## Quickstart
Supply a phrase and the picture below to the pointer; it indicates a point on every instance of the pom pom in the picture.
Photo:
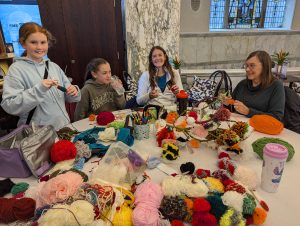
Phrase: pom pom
(259, 216)
(223, 155)
(173, 208)
(19, 187)
(170, 151)
(123, 216)
(217, 206)
(221, 174)
(202, 173)
(187, 168)
(63, 150)
(164, 133)
(232, 217)
(249, 205)
(193, 114)
(190, 120)
(246, 176)
(182, 94)
(227, 164)
(266, 124)
(241, 128)
(201, 205)
(214, 185)
(171, 117)
(92, 117)
(5, 186)
(204, 219)
(222, 114)
(193, 143)
(105, 117)
(199, 131)
(177, 223)
(233, 199)
(235, 187)
(227, 182)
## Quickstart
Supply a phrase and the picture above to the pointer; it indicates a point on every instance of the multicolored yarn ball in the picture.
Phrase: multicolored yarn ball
(214, 185)
(203, 219)
(187, 168)
(16, 209)
(235, 187)
(177, 223)
(233, 199)
(259, 216)
(201, 205)
(232, 217)
(202, 173)
(221, 174)
(105, 117)
(19, 187)
(62, 150)
(258, 146)
(249, 205)
(227, 164)
(123, 216)
(173, 208)
(170, 151)
(217, 206)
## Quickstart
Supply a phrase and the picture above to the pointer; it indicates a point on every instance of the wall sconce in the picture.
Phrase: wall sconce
(195, 4)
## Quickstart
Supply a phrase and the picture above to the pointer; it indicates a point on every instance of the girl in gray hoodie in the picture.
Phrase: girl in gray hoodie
(25, 87)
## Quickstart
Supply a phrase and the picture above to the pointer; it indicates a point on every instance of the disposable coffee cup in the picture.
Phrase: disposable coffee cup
(274, 158)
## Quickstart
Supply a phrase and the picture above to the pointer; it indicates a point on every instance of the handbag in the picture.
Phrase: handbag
(208, 89)
(26, 151)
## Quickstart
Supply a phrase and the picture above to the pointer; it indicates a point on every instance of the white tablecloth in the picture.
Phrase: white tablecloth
(284, 209)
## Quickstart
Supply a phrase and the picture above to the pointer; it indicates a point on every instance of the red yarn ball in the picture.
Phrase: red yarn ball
(201, 205)
(193, 114)
(204, 219)
(63, 150)
(177, 223)
(105, 117)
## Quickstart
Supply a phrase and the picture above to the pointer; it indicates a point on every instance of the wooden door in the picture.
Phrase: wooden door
(84, 29)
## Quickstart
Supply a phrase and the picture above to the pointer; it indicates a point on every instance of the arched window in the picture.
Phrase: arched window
(247, 14)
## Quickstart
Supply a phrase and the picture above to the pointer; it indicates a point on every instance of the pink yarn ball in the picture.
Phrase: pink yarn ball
(105, 117)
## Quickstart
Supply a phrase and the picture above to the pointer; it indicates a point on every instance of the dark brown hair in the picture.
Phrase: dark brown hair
(93, 66)
(152, 68)
(29, 28)
(266, 75)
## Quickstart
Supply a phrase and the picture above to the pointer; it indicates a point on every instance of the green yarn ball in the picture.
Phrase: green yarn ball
(258, 146)
(19, 187)
(217, 206)
(117, 124)
(249, 205)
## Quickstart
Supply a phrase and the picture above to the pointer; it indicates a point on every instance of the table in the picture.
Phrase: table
(283, 205)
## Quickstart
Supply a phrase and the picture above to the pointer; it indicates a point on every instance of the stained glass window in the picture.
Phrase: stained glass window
(246, 14)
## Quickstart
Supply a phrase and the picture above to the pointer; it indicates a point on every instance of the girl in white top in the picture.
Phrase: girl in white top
(160, 84)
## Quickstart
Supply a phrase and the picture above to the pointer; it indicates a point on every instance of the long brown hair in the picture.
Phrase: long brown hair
(152, 68)
(93, 66)
(266, 75)
(29, 28)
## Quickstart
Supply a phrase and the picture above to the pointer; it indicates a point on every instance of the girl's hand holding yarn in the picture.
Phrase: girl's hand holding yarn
(72, 90)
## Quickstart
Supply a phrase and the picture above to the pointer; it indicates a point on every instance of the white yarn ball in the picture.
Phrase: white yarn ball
(246, 176)
(233, 199)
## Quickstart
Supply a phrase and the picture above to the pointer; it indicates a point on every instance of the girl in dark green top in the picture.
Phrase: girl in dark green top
(260, 92)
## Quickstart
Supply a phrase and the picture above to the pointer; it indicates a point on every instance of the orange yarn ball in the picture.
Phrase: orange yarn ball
(259, 216)
(266, 124)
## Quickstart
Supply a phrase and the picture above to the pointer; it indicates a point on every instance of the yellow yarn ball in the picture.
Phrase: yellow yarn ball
(226, 219)
(123, 216)
(214, 184)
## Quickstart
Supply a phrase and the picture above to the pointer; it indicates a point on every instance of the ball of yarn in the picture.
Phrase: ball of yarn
(232, 217)
(258, 146)
(201, 205)
(105, 117)
(266, 124)
(63, 150)
(123, 216)
(16, 209)
(19, 187)
(203, 219)
(187, 168)
(217, 206)
(259, 216)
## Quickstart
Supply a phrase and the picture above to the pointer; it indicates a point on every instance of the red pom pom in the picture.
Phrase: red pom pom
(249, 220)
(105, 117)
(235, 187)
(164, 133)
(63, 150)
(204, 219)
(223, 155)
(177, 223)
(227, 182)
(202, 173)
(193, 114)
(201, 205)
(227, 164)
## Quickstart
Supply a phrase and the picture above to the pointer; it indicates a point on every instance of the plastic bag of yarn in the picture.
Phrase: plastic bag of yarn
(141, 131)
(120, 166)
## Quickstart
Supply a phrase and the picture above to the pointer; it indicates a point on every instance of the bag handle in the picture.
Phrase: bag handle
(29, 117)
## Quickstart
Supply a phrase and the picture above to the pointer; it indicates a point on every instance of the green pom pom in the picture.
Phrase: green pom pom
(217, 206)
(258, 146)
(249, 205)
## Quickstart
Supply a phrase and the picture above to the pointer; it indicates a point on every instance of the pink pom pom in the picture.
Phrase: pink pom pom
(105, 117)
(63, 150)
(222, 114)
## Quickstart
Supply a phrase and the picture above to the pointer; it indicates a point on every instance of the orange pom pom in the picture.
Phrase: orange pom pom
(182, 94)
(92, 117)
(194, 143)
(259, 216)
(230, 101)
(266, 124)
(171, 117)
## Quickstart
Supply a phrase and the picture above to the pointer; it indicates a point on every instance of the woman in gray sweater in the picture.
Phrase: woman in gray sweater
(260, 92)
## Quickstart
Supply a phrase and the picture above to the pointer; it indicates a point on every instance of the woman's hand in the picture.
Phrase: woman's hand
(48, 83)
(116, 84)
(241, 107)
(174, 89)
(153, 94)
(72, 91)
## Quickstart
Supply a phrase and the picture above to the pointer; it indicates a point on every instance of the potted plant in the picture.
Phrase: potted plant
(176, 63)
(281, 61)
